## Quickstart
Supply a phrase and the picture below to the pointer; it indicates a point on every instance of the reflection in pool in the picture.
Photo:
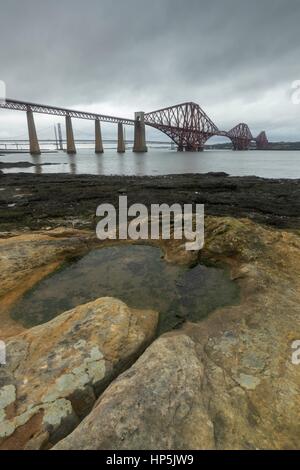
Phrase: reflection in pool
(136, 274)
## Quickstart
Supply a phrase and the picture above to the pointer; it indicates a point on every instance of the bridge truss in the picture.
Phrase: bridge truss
(53, 110)
(190, 127)
(186, 124)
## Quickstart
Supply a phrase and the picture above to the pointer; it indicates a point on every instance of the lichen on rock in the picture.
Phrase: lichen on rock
(63, 367)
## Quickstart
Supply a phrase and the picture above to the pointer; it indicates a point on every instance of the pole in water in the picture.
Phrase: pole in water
(60, 140)
(55, 133)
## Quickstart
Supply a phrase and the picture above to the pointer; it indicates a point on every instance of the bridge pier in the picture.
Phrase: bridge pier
(98, 137)
(33, 140)
(60, 139)
(239, 144)
(139, 133)
(189, 148)
(71, 149)
(121, 143)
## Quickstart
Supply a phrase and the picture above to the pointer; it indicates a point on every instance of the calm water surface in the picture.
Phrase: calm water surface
(268, 164)
(135, 274)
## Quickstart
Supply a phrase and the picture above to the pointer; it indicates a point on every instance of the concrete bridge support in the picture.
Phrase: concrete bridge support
(98, 137)
(71, 149)
(33, 140)
(139, 133)
(121, 143)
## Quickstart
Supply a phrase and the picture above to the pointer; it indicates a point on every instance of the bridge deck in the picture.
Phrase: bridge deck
(54, 110)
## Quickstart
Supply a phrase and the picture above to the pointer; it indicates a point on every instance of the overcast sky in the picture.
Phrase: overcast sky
(236, 58)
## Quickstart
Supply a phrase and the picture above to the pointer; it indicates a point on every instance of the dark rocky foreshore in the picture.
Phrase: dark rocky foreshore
(30, 201)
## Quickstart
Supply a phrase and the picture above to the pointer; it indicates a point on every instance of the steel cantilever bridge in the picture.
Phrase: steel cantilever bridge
(189, 127)
(185, 124)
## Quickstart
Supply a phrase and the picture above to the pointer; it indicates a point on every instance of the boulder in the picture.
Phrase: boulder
(55, 371)
(156, 404)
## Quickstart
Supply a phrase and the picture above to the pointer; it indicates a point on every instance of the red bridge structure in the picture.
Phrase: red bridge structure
(189, 127)
(185, 124)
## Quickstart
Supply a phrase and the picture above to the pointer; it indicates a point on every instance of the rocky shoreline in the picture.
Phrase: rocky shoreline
(227, 382)
(99, 377)
(31, 202)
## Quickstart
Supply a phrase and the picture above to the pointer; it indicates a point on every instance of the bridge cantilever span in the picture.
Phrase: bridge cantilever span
(190, 127)
(186, 124)
(240, 136)
(262, 141)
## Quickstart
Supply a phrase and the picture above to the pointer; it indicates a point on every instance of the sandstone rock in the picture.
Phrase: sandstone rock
(27, 258)
(21, 255)
(157, 404)
(227, 382)
(55, 371)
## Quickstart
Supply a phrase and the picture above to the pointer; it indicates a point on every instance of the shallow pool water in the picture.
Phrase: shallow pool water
(136, 274)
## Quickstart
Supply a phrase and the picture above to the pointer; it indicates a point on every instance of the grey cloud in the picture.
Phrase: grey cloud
(149, 54)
